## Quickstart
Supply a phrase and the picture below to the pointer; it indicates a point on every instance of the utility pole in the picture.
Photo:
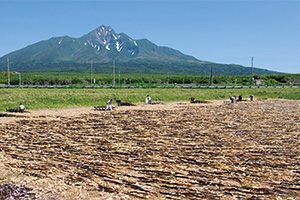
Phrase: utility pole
(119, 79)
(211, 75)
(18, 73)
(114, 72)
(252, 79)
(20, 83)
(91, 72)
(8, 81)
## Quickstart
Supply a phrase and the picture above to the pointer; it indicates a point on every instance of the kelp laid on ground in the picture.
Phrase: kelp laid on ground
(172, 151)
(8, 191)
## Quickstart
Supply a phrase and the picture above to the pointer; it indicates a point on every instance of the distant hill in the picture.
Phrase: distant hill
(102, 46)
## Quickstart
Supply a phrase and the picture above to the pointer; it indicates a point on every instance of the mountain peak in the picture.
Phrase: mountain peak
(108, 28)
(104, 39)
(101, 35)
(103, 30)
(101, 45)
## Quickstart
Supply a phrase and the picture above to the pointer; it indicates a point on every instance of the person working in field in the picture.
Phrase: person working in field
(233, 99)
(109, 105)
(22, 108)
(148, 99)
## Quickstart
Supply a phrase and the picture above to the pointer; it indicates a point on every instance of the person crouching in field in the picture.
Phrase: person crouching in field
(109, 105)
(22, 108)
(148, 99)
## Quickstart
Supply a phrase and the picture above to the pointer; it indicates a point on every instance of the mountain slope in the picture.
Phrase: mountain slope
(102, 45)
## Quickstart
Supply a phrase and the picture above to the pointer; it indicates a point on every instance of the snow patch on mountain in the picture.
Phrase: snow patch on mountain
(119, 46)
(133, 41)
(116, 36)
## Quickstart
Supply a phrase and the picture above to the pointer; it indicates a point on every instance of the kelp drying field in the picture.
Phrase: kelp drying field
(171, 151)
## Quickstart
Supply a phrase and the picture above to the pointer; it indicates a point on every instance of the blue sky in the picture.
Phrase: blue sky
(219, 31)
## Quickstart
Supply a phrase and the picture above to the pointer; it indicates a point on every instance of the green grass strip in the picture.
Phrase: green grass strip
(35, 99)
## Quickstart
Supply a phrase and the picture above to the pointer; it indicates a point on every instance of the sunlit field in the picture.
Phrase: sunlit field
(166, 151)
(35, 99)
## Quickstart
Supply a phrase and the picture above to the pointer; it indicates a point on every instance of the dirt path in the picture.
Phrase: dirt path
(73, 112)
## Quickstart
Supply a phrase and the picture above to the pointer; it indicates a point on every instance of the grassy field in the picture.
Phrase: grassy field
(35, 99)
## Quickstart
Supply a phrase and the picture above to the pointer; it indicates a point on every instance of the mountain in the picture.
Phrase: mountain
(101, 46)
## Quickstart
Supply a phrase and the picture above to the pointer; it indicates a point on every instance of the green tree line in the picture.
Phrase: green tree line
(32, 79)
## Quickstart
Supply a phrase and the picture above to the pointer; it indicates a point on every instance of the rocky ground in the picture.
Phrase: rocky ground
(248, 150)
